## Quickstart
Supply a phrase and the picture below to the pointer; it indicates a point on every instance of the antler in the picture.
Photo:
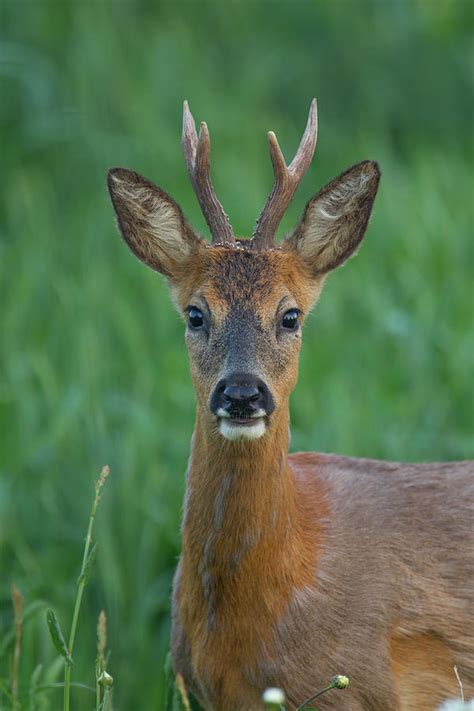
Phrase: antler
(197, 155)
(287, 179)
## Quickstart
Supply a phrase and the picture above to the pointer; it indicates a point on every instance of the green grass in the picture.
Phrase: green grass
(93, 366)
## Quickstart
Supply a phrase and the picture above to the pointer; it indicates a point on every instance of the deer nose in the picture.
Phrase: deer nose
(242, 395)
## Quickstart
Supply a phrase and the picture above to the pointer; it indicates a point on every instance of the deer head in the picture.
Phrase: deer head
(244, 300)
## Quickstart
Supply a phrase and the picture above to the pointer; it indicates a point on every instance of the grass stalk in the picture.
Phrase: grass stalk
(82, 582)
(101, 661)
(17, 599)
(107, 704)
(97, 694)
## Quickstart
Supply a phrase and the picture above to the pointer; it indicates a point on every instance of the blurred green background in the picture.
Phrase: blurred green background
(93, 367)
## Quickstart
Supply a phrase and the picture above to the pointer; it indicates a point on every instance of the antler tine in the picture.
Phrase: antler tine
(197, 151)
(304, 154)
(287, 179)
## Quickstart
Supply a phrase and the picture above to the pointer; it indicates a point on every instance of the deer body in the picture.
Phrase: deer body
(368, 600)
(295, 567)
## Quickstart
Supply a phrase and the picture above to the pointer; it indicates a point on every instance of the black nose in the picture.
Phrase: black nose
(241, 395)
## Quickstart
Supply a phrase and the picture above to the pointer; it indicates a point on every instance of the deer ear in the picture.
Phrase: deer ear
(335, 219)
(150, 222)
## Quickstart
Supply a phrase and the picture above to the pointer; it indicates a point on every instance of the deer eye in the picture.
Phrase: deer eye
(195, 317)
(290, 319)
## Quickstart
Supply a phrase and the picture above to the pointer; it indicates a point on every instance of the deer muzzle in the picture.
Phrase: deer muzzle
(242, 403)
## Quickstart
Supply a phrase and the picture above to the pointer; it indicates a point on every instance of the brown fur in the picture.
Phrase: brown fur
(298, 567)
(423, 669)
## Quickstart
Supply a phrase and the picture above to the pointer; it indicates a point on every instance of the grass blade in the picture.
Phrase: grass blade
(57, 636)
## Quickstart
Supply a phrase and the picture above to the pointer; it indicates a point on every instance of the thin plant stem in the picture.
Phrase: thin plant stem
(100, 663)
(339, 681)
(312, 698)
(182, 692)
(17, 599)
(459, 682)
(33, 687)
(60, 684)
(81, 585)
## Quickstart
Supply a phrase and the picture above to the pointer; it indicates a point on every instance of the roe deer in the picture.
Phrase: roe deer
(295, 567)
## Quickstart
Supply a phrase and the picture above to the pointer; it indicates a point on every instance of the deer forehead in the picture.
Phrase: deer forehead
(233, 279)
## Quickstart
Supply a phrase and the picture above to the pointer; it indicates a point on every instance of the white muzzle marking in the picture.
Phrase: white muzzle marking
(234, 431)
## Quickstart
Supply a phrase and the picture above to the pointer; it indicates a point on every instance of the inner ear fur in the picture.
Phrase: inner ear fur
(151, 222)
(335, 220)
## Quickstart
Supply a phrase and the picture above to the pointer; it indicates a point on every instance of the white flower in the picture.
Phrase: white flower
(455, 705)
(273, 696)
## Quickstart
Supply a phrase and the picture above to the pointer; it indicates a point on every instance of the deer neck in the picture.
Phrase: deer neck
(240, 502)
(246, 547)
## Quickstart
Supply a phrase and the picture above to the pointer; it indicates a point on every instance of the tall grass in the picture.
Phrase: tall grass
(18, 699)
(93, 366)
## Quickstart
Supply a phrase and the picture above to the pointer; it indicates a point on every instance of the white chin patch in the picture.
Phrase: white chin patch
(235, 432)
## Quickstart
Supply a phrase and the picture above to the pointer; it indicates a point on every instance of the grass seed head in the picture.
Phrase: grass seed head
(102, 635)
